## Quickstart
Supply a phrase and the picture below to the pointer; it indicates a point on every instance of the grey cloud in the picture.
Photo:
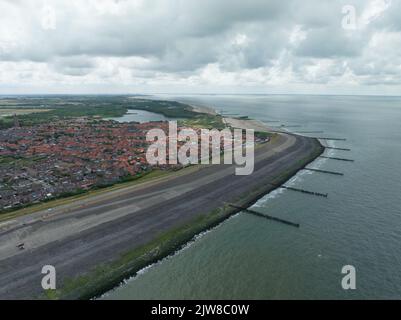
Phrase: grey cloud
(181, 37)
(73, 66)
(152, 32)
(329, 43)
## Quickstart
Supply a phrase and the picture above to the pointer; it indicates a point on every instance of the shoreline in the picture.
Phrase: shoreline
(213, 220)
(207, 228)
(256, 125)
(203, 110)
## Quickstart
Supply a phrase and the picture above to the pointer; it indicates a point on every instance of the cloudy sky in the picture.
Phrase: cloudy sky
(200, 46)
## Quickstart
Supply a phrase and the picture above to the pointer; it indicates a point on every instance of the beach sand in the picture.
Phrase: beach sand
(247, 124)
(203, 109)
(233, 122)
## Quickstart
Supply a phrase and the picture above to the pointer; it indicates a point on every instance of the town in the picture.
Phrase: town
(67, 157)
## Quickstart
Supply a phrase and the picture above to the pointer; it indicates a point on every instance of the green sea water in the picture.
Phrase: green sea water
(359, 223)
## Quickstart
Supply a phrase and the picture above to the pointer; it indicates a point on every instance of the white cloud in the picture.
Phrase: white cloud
(374, 10)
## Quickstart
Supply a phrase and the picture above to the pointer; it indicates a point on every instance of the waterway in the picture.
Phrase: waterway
(140, 116)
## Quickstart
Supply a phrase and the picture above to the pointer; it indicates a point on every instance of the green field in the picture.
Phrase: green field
(18, 111)
(36, 110)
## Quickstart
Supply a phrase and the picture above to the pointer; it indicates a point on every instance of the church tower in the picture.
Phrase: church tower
(16, 122)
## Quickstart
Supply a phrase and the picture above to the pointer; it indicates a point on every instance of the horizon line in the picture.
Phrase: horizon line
(197, 94)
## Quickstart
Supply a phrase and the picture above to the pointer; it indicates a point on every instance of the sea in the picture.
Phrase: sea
(357, 225)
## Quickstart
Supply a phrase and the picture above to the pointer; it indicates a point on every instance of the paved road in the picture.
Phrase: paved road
(77, 237)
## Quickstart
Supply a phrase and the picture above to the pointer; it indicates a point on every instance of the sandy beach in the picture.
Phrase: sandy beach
(235, 122)
(203, 109)
(247, 124)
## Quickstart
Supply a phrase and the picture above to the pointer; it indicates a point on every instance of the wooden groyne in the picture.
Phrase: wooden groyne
(310, 132)
(327, 138)
(342, 149)
(324, 171)
(266, 216)
(339, 159)
(313, 193)
(229, 114)
(325, 195)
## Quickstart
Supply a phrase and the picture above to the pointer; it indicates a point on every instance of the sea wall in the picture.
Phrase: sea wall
(109, 275)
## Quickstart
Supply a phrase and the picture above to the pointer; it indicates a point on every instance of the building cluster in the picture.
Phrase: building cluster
(49, 160)
(69, 156)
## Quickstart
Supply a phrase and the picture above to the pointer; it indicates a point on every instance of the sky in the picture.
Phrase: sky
(200, 46)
